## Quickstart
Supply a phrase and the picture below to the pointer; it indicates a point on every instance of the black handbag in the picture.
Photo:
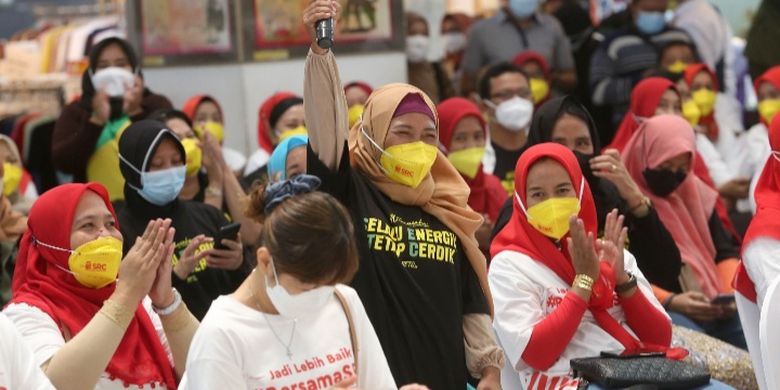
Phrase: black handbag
(656, 371)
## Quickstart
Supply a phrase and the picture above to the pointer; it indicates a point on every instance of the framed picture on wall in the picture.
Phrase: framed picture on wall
(184, 32)
(274, 28)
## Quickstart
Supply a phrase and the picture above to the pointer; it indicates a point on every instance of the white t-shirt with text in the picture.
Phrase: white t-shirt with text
(238, 347)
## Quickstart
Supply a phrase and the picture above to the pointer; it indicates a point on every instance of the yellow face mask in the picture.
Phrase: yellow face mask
(215, 128)
(677, 67)
(354, 114)
(11, 178)
(551, 217)
(467, 161)
(539, 89)
(408, 163)
(691, 112)
(705, 99)
(300, 130)
(194, 155)
(94, 264)
(767, 108)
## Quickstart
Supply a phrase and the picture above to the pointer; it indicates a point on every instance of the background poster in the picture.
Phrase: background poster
(184, 32)
(186, 26)
(364, 25)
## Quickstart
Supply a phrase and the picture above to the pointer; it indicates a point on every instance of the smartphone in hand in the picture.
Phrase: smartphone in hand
(229, 231)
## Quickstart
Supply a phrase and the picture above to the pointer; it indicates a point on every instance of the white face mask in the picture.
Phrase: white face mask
(113, 80)
(298, 305)
(514, 114)
(416, 48)
(454, 42)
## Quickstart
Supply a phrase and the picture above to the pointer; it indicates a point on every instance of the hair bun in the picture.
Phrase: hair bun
(276, 193)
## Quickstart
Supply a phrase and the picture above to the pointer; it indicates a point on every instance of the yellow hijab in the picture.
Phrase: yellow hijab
(443, 193)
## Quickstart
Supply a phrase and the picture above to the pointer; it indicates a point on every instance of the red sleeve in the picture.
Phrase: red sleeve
(649, 323)
(551, 335)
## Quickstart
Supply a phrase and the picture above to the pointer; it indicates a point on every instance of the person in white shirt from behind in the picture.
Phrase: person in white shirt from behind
(17, 365)
(291, 323)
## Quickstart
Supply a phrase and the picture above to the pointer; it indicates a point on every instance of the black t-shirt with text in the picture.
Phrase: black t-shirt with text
(204, 284)
(414, 280)
(506, 160)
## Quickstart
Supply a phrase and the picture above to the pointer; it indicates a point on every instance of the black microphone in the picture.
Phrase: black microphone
(324, 32)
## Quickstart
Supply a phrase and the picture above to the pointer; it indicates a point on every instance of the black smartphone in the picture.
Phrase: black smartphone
(229, 231)
(723, 299)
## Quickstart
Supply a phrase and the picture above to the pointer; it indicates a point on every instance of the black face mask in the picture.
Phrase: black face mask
(116, 104)
(584, 161)
(663, 181)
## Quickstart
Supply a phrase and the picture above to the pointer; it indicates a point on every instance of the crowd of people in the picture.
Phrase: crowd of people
(551, 189)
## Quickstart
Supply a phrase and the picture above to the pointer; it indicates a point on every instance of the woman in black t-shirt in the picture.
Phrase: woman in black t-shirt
(422, 275)
(152, 163)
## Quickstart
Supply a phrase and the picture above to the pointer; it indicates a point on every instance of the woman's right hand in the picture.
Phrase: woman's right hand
(190, 258)
(101, 109)
(318, 10)
(139, 268)
(696, 306)
(582, 249)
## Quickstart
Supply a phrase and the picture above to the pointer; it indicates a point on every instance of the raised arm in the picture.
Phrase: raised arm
(323, 95)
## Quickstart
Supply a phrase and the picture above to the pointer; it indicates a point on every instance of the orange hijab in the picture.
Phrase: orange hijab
(443, 193)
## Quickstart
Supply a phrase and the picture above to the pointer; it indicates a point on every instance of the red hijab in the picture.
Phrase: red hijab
(687, 210)
(264, 133)
(532, 56)
(140, 358)
(766, 222)
(487, 194)
(771, 76)
(360, 84)
(645, 98)
(519, 236)
(692, 71)
(192, 104)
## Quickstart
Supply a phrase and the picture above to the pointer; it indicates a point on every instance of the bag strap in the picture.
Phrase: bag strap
(352, 335)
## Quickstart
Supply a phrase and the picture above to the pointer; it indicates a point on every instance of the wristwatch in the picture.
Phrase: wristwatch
(172, 307)
(627, 286)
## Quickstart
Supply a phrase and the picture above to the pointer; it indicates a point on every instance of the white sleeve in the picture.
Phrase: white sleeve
(17, 366)
(373, 370)
(211, 362)
(719, 171)
(760, 259)
(517, 304)
(39, 331)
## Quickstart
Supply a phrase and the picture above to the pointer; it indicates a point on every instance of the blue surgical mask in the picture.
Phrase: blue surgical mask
(159, 187)
(523, 8)
(650, 22)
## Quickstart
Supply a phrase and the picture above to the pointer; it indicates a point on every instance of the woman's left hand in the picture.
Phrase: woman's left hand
(229, 259)
(611, 246)
(610, 166)
(161, 292)
(131, 103)
(491, 379)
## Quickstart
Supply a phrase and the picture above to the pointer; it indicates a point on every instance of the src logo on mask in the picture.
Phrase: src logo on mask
(90, 266)
(404, 171)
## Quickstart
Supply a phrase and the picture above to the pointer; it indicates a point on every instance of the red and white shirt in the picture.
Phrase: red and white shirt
(524, 292)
